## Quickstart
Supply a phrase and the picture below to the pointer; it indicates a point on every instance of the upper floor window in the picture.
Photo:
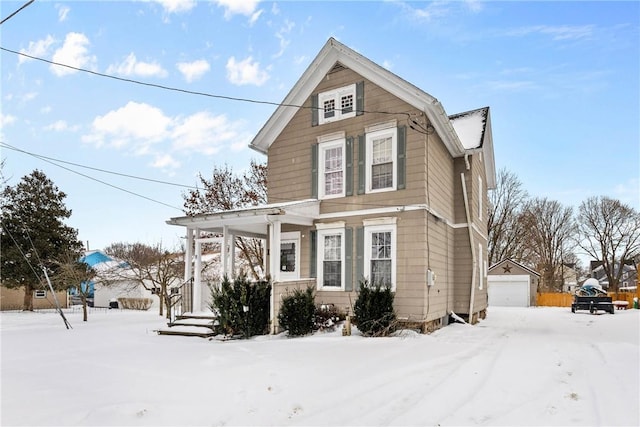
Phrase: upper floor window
(337, 104)
(381, 160)
(332, 168)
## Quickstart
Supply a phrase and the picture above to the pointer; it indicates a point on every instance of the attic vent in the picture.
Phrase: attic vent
(336, 68)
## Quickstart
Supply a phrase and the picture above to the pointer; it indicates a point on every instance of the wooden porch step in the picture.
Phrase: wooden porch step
(201, 334)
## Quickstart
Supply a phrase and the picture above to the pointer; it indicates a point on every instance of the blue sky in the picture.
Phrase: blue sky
(561, 78)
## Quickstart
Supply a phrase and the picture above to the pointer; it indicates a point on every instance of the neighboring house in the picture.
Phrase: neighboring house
(628, 279)
(569, 275)
(13, 299)
(512, 284)
(114, 281)
(369, 178)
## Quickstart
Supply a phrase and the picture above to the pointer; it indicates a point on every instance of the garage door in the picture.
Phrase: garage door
(508, 291)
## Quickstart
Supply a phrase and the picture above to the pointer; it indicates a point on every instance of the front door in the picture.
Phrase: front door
(290, 256)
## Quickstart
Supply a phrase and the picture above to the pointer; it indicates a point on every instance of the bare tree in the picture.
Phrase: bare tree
(505, 225)
(550, 235)
(75, 274)
(153, 267)
(226, 191)
(609, 231)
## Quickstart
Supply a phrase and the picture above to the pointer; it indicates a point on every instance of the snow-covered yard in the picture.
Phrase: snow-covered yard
(536, 366)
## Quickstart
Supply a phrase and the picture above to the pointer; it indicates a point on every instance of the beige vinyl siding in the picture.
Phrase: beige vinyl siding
(432, 178)
(13, 299)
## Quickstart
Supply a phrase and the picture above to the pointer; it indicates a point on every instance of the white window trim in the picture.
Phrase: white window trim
(40, 293)
(370, 136)
(322, 232)
(481, 266)
(480, 197)
(322, 147)
(368, 230)
(336, 94)
(291, 237)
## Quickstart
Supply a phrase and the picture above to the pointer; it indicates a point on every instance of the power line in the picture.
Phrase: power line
(110, 185)
(41, 157)
(14, 13)
(190, 92)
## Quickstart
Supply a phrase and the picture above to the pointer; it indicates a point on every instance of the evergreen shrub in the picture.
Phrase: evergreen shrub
(297, 312)
(229, 299)
(374, 310)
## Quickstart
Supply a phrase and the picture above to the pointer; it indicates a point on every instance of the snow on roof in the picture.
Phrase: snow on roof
(470, 127)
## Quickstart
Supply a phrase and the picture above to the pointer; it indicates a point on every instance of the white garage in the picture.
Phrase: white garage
(511, 284)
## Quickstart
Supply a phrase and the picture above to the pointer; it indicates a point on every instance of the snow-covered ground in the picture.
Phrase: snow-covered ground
(536, 366)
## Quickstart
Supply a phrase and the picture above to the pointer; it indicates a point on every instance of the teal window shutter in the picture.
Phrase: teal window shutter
(314, 171)
(314, 110)
(362, 163)
(359, 98)
(313, 238)
(359, 256)
(402, 157)
(349, 167)
(348, 259)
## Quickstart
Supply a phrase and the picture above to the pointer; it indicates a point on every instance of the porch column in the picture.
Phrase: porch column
(232, 255)
(274, 267)
(188, 256)
(224, 252)
(197, 282)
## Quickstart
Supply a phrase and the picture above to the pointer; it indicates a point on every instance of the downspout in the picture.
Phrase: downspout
(473, 252)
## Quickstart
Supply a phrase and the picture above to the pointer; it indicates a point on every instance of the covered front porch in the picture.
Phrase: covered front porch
(282, 258)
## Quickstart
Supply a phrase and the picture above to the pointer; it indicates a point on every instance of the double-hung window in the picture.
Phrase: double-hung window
(331, 258)
(337, 104)
(380, 253)
(381, 157)
(332, 166)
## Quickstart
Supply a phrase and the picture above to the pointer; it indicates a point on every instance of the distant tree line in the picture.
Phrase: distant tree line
(546, 235)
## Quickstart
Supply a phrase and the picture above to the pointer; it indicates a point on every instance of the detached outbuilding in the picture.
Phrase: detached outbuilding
(511, 284)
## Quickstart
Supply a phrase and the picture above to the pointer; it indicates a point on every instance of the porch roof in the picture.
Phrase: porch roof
(253, 221)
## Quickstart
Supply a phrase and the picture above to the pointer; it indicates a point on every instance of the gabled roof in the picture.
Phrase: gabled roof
(334, 53)
(509, 260)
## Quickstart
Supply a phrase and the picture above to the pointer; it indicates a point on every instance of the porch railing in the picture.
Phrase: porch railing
(180, 299)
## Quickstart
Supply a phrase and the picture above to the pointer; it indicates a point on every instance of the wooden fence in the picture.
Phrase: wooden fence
(549, 299)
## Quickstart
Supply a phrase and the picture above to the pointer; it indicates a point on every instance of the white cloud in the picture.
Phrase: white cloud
(560, 32)
(136, 126)
(240, 7)
(176, 6)
(6, 119)
(245, 72)
(165, 161)
(29, 96)
(63, 12)
(193, 70)
(281, 35)
(144, 130)
(61, 126)
(46, 109)
(205, 133)
(74, 52)
(132, 67)
(38, 48)
(506, 85)
(629, 193)
(57, 126)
